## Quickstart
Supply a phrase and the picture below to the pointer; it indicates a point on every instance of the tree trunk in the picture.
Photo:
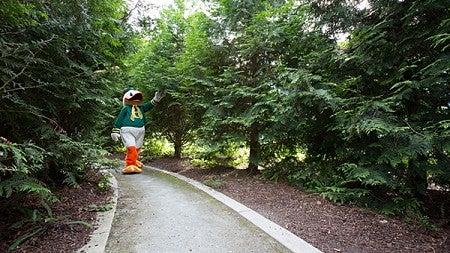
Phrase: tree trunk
(254, 150)
(178, 143)
(417, 176)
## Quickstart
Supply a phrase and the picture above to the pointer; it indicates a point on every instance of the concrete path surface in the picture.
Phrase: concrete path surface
(163, 212)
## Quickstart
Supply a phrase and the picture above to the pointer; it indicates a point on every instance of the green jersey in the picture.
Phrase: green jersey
(133, 115)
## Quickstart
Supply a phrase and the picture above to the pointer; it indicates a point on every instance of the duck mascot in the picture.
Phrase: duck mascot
(130, 126)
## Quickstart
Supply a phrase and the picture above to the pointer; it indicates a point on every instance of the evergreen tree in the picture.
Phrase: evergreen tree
(170, 60)
(53, 96)
(390, 100)
(245, 96)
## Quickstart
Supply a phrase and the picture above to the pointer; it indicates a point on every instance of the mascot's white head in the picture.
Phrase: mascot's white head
(133, 97)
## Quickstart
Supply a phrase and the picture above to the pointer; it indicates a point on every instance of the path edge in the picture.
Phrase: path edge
(282, 235)
(103, 223)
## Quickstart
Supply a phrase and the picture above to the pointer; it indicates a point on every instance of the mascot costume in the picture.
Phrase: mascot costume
(130, 126)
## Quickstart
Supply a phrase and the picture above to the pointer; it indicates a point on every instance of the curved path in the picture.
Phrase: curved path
(164, 212)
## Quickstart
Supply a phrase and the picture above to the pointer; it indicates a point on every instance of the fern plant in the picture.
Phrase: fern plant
(18, 165)
(40, 222)
(342, 194)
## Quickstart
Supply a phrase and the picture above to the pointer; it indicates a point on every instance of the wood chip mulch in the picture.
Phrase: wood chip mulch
(63, 234)
(328, 226)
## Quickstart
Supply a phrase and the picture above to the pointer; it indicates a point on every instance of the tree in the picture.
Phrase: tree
(53, 95)
(389, 105)
(170, 60)
(245, 94)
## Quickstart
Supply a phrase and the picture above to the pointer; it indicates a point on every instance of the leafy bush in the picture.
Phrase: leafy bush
(231, 154)
(213, 183)
(19, 167)
(54, 101)
(70, 159)
(39, 222)
(156, 146)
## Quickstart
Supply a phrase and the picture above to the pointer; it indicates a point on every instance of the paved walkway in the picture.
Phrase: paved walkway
(164, 212)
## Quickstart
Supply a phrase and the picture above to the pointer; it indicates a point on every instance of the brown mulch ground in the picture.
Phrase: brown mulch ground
(329, 227)
(76, 204)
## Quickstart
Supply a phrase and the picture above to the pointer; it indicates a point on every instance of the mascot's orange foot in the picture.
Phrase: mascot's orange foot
(131, 169)
(139, 164)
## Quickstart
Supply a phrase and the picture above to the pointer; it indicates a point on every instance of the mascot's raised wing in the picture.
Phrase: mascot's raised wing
(130, 126)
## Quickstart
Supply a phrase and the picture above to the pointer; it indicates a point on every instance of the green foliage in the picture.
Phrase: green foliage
(168, 60)
(156, 146)
(25, 237)
(400, 205)
(101, 208)
(58, 61)
(287, 167)
(244, 102)
(213, 183)
(422, 220)
(71, 159)
(21, 183)
(369, 115)
(366, 177)
(232, 155)
(105, 184)
(39, 223)
(373, 130)
(19, 167)
(25, 158)
(342, 194)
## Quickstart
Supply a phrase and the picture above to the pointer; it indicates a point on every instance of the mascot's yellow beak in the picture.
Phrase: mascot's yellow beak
(133, 97)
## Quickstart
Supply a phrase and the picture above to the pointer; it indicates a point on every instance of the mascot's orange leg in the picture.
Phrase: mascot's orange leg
(138, 163)
(130, 161)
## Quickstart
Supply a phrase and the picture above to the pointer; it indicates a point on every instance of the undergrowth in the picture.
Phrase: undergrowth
(356, 185)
